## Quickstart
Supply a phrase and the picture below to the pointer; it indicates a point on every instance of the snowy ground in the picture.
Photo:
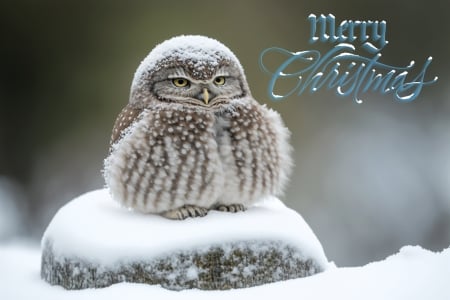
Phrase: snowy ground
(413, 273)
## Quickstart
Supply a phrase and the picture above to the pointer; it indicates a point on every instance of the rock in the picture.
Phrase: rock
(233, 265)
(92, 242)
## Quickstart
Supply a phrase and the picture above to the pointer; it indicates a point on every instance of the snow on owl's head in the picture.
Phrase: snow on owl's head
(191, 70)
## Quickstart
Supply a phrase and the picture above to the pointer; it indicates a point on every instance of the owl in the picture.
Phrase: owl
(192, 138)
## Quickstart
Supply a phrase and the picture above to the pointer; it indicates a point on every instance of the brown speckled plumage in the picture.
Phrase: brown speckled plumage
(126, 117)
(182, 150)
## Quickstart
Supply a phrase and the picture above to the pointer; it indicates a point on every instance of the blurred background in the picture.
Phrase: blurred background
(369, 178)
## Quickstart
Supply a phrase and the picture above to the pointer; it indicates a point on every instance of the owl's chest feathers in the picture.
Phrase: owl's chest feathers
(221, 128)
(204, 131)
(183, 151)
(168, 138)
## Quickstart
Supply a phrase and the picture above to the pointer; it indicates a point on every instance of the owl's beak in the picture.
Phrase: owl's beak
(205, 95)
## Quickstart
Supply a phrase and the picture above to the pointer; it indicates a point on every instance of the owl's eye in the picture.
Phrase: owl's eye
(219, 80)
(180, 82)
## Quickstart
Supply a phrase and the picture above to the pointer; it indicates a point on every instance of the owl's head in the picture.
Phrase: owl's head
(191, 70)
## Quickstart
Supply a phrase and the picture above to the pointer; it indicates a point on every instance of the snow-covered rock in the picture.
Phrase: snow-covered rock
(93, 242)
(412, 274)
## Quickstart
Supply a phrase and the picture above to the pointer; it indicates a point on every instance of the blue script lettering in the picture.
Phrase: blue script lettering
(325, 28)
(349, 74)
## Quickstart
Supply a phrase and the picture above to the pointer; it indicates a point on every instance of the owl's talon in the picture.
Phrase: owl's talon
(185, 212)
(233, 208)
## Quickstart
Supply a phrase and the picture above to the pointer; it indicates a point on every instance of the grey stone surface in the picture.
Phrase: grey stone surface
(217, 267)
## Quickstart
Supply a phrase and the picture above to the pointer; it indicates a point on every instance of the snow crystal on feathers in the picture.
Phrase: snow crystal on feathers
(199, 50)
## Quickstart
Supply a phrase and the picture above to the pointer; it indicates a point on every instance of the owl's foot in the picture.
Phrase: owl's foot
(230, 208)
(184, 212)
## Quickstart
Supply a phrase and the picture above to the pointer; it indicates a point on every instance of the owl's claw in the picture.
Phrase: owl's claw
(230, 208)
(184, 212)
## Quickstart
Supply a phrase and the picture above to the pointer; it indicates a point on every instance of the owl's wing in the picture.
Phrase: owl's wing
(126, 118)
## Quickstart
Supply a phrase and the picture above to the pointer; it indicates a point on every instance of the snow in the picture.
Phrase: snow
(200, 50)
(95, 227)
(413, 273)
